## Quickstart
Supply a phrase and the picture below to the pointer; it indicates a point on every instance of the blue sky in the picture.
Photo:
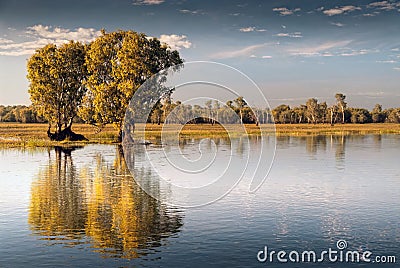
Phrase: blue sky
(293, 50)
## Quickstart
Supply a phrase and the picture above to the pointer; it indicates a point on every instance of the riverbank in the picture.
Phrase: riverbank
(34, 135)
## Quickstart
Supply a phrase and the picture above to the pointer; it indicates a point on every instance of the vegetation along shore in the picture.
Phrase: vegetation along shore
(34, 134)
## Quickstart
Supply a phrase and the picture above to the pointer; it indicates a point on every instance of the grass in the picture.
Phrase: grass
(34, 135)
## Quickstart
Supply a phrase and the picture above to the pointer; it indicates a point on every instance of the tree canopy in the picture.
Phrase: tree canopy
(96, 81)
(118, 64)
(56, 76)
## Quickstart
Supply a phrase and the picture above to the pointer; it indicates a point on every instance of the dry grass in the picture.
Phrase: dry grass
(280, 129)
(34, 135)
(307, 129)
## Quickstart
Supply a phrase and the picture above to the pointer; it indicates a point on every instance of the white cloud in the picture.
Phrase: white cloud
(292, 35)
(357, 52)
(175, 42)
(80, 34)
(247, 29)
(23, 48)
(378, 4)
(283, 11)
(262, 57)
(147, 2)
(5, 41)
(192, 12)
(384, 5)
(251, 29)
(340, 10)
(386, 61)
(39, 36)
(319, 50)
(396, 68)
(246, 51)
(371, 94)
(338, 24)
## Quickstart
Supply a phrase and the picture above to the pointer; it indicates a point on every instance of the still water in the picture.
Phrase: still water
(82, 207)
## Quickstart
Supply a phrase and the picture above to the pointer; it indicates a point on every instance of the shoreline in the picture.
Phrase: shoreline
(34, 135)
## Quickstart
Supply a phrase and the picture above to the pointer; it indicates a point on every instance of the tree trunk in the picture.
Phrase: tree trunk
(343, 114)
(65, 134)
(120, 135)
(59, 127)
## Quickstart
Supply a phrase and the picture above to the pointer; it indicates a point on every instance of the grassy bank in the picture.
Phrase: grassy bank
(34, 135)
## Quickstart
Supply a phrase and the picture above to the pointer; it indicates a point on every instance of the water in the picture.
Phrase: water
(81, 207)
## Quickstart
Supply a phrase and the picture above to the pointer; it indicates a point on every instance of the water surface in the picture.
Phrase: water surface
(82, 207)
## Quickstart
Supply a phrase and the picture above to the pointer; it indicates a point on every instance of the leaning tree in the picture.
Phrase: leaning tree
(56, 76)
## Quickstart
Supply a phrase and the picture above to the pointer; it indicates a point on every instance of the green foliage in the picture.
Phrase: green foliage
(378, 115)
(56, 76)
(360, 116)
(19, 113)
(282, 114)
(341, 104)
(393, 115)
(118, 64)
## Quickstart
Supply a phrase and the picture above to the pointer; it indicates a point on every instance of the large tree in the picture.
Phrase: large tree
(378, 116)
(119, 63)
(56, 76)
(312, 110)
(240, 104)
(280, 113)
(340, 101)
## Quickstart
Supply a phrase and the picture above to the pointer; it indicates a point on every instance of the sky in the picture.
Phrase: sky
(293, 50)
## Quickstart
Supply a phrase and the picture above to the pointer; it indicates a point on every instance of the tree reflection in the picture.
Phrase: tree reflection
(315, 143)
(340, 144)
(56, 200)
(103, 204)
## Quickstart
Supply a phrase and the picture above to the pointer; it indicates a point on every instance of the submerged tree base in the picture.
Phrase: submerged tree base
(65, 134)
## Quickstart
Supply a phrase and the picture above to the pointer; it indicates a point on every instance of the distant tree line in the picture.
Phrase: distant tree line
(170, 112)
(312, 112)
(24, 114)
(19, 113)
